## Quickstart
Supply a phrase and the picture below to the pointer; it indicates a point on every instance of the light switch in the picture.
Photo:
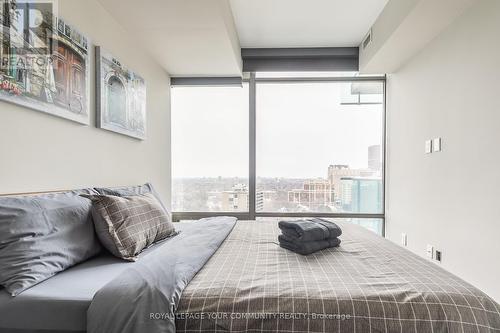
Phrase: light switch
(428, 146)
(436, 145)
(430, 251)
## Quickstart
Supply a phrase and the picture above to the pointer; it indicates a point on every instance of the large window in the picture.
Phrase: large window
(281, 145)
(210, 149)
(319, 147)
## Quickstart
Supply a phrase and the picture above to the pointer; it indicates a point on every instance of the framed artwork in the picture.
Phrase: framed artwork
(120, 97)
(44, 61)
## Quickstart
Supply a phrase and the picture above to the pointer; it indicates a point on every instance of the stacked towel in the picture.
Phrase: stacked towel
(309, 229)
(306, 248)
(308, 235)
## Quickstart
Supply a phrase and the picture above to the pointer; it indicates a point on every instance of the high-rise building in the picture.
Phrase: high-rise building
(315, 193)
(236, 199)
(338, 171)
(362, 195)
(266, 200)
(374, 158)
(259, 201)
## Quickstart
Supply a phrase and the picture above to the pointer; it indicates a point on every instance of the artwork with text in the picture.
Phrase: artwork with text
(44, 61)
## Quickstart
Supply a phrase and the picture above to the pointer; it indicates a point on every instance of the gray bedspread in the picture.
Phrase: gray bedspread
(368, 284)
(145, 296)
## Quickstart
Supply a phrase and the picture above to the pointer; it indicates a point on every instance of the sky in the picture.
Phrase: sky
(301, 130)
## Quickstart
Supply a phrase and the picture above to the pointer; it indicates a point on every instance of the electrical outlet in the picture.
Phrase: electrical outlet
(428, 146)
(438, 255)
(436, 145)
(430, 251)
(404, 239)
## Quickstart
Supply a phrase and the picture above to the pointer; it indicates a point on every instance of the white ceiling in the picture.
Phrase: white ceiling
(304, 23)
(203, 37)
(186, 37)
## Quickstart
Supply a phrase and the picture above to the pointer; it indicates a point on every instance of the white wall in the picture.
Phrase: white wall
(42, 152)
(404, 28)
(450, 199)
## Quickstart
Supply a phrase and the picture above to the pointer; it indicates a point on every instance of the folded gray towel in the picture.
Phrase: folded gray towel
(309, 229)
(306, 248)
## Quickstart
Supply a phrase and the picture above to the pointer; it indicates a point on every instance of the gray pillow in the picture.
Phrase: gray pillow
(126, 225)
(131, 190)
(43, 235)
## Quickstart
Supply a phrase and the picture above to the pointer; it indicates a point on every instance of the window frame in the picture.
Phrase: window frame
(252, 214)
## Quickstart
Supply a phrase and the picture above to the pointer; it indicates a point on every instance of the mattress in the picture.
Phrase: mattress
(368, 284)
(60, 304)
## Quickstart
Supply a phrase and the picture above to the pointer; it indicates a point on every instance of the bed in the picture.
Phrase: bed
(368, 284)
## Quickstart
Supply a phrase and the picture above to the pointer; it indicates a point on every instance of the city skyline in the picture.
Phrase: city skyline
(343, 188)
(374, 162)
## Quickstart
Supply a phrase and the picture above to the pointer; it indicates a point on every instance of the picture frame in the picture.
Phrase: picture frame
(120, 97)
(50, 72)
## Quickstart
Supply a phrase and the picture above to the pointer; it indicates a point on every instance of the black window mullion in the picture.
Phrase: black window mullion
(252, 147)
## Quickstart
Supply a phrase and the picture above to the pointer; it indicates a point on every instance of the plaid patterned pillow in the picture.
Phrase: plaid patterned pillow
(126, 225)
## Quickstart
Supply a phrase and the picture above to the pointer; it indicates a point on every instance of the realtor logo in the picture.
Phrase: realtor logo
(27, 25)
